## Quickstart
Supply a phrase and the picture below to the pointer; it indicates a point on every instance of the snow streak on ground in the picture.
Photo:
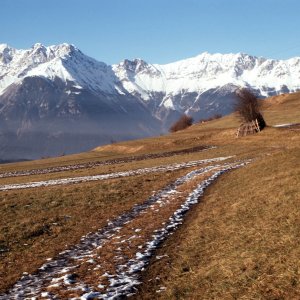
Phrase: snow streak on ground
(171, 167)
(293, 126)
(286, 125)
(104, 163)
(82, 273)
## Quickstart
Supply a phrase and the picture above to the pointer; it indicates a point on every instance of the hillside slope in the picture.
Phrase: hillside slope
(240, 241)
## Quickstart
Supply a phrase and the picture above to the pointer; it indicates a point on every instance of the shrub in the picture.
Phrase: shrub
(248, 107)
(183, 122)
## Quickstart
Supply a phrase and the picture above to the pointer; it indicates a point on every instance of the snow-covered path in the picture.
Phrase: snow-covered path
(107, 264)
(163, 168)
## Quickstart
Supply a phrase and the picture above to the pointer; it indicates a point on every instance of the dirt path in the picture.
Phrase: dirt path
(107, 264)
(163, 168)
(103, 163)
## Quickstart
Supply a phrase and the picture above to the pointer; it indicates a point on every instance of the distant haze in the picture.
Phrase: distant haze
(56, 100)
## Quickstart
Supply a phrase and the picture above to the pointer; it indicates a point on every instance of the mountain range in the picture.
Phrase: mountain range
(56, 100)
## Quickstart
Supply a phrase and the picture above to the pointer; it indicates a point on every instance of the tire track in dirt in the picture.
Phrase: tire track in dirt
(107, 264)
(103, 163)
(72, 180)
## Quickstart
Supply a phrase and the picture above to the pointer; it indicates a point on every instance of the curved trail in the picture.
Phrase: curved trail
(107, 264)
(103, 163)
(163, 168)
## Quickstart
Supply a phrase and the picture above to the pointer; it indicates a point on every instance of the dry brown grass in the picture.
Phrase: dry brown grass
(241, 242)
(39, 223)
(150, 220)
(280, 109)
(116, 167)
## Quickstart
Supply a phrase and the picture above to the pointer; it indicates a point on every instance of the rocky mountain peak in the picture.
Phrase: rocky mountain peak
(3, 47)
(137, 65)
(64, 49)
(6, 53)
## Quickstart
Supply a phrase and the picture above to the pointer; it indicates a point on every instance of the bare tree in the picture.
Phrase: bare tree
(183, 122)
(249, 107)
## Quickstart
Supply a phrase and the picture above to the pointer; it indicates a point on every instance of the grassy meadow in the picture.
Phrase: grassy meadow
(240, 242)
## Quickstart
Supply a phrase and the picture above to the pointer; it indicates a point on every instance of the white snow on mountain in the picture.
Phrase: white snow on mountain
(194, 75)
(56, 99)
(208, 71)
(64, 61)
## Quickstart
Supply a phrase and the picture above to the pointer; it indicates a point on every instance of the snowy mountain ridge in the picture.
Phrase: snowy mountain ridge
(64, 61)
(207, 71)
(198, 74)
(57, 100)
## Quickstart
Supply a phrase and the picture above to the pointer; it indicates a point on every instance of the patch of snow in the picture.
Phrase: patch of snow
(128, 279)
(284, 125)
(90, 296)
(64, 181)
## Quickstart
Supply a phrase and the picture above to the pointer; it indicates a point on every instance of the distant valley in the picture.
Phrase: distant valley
(56, 100)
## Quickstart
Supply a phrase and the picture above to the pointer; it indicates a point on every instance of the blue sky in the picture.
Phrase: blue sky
(159, 31)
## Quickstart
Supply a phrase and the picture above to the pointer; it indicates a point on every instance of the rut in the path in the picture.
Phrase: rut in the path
(94, 164)
(163, 168)
(106, 264)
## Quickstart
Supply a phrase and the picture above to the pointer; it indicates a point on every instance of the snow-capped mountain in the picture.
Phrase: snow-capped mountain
(184, 85)
(70, 102)
(56, 100)
(63, 61)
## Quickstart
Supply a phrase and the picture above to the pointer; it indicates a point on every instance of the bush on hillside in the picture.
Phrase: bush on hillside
(183, 122)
